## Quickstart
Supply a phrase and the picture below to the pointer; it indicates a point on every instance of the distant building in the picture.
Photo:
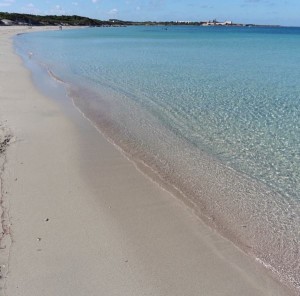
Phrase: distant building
(183, 22)
(216, 23)
(22, 24)
(227, 23)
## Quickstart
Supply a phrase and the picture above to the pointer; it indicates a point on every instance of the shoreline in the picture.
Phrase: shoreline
(130, 225)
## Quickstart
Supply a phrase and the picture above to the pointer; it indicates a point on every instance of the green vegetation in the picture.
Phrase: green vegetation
(74, 20)
(50, 20)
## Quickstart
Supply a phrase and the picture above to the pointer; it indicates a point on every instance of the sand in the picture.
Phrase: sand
(80, 219)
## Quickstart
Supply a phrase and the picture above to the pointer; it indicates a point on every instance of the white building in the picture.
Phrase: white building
(7, 22)
(216, 23)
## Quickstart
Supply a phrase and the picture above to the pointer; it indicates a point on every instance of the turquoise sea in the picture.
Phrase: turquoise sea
(213, 112)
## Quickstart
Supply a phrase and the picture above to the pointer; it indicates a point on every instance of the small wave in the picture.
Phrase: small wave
(284, 279)
(55, 77)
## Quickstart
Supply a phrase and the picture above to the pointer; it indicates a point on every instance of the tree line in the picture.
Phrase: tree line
(75, 20)
(50, 20)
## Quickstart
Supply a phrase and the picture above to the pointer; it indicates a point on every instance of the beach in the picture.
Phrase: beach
(79, 218)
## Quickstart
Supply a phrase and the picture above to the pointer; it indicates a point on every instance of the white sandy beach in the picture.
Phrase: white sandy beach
(79, 218)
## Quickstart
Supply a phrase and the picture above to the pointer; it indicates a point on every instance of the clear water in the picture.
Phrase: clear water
(214, 112)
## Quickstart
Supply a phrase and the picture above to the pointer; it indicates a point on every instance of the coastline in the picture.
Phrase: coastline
(110, 230)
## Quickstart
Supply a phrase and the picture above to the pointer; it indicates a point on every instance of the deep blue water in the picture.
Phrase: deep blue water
(213, 111)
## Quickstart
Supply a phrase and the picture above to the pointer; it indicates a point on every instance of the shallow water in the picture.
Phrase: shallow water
(214, 112)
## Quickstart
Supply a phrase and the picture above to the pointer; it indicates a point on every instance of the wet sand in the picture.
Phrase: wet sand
(80, 219)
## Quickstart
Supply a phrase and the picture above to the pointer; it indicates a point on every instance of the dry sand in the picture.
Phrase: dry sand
(80, 219)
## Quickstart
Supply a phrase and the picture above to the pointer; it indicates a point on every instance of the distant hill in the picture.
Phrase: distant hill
(72, 20)
(50, 20)
(75, 20)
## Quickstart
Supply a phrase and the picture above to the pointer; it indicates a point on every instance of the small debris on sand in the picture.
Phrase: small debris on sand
(5, 138)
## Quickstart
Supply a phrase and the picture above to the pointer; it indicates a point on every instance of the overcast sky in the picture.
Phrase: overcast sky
(283, 12)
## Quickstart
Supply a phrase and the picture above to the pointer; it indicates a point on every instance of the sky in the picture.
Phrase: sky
(277, 12)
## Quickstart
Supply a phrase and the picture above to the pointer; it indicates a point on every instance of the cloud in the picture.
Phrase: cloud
(258, 2)
(156, 3)
(113, 12)
(206, 6)
(6, 3)
(75, 3)
(57, 10)
(31, 9)
(95, 1)
(255, 1)
(128, 2)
